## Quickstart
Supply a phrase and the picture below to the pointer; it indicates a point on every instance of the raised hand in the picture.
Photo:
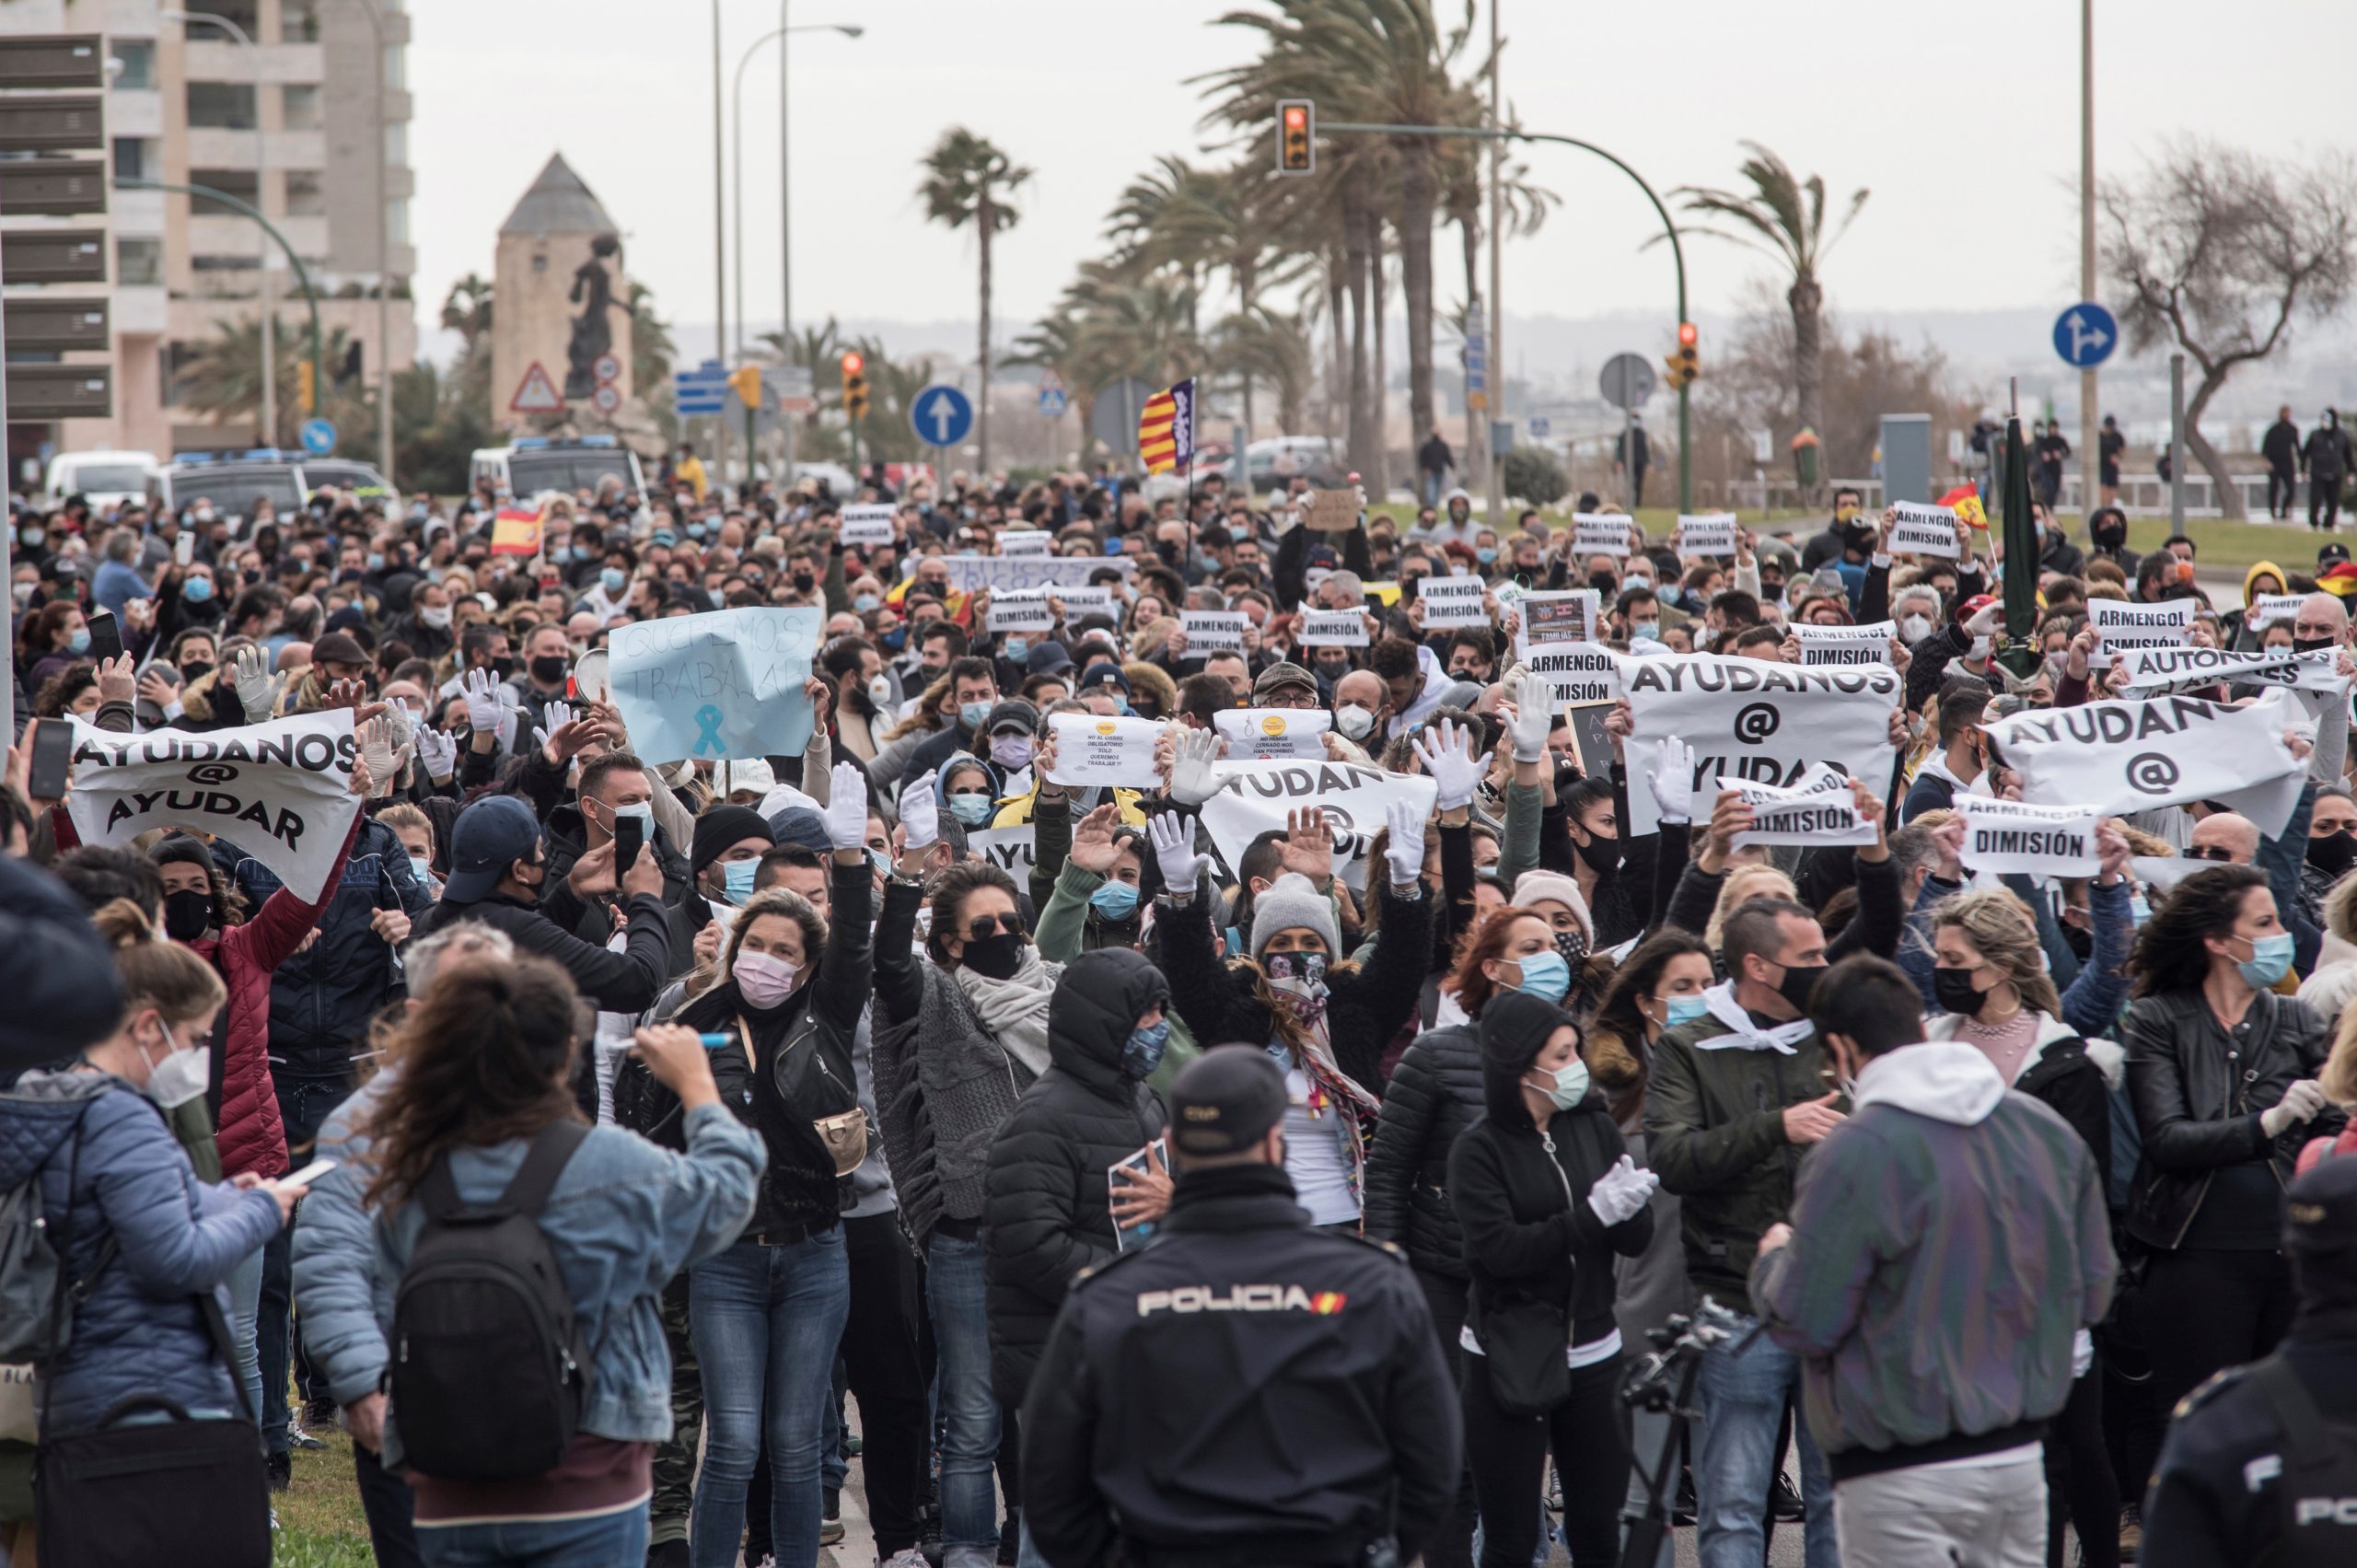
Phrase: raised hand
(1192, 778)
(1671, 779)
(258, 689)
(847, 808)
(1405, 851)
(1173, 838)
(116, 683)
(921, 812)
(481, 688)
(1448, 758)
(1533, 700)
(1308, 847)
(439, 752)
(1093, 849)
(377, 746)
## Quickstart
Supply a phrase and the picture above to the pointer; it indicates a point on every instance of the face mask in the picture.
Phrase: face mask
(437, 619)
(549, 669)
(1979, 649)
(971, 808)
(375, 560)
(1353, 720)
(187, 914)
(580, 552)
(763, 981)
(79, 642)
(2270, 960)
(1602, 855)
(805, 581)
(645, 812)
(1566, 1085)
(1644, 631)
(1545, 974)
(893, 640)
(1604, 583)
(1017, 649)
(425, 869)
(612, 579)
(194, 670)
(1914, 628)
(2333, 854)
(1115, 900)
(973, 714)
(1798, 981)
(864, 602)
(1845, 511)
(196, 590)
(1953, 990)
(736, 880)
(995, 957)
(1485, 556)
(1303, 974)
(1678, 1010)
(34, 536)
(879, 691)
(2139, 909)
(1142, 1052)
(22, 593)
(181, 1075)
(2311, 645)
(1011, 751)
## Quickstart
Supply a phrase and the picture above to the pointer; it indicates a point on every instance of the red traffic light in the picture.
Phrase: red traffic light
(854, 362)
(1295, 117)
(1686, 334)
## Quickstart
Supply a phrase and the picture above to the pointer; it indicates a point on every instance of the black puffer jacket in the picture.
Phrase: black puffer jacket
(1435, 1094)
(1049, 1208)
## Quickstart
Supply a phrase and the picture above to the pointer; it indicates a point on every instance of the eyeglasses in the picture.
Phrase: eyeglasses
(2210, 851)
(1290, 697)
(983, 927)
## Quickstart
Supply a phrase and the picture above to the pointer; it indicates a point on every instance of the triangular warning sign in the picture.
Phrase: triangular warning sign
(536, 393)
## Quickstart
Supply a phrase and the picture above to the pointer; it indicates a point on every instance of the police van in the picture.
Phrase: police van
(535, 464)
(234, 481)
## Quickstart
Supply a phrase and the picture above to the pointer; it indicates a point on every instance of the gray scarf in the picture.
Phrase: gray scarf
(1015, 1010)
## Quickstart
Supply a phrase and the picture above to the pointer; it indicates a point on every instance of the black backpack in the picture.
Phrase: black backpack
(487, 1363)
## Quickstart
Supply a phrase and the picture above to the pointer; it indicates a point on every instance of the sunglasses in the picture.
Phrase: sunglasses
(983, 927)
(2209, 852)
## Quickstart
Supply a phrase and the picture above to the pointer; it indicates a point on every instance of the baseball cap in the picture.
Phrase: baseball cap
(1279, 676)
(1104, 675)
(1014, 714)
(800, 826)
(1047, 658)
(1225, 1100)
(2320, 1211)
(487, 836)
(2332, 554)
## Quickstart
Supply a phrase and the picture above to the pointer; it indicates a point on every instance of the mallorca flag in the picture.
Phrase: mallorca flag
(1167, 428)
(514, 531)
(1965, 502)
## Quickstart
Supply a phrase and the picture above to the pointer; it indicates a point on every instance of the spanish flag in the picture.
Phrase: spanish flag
(1965, 501)
(514, 531)
(1167, 428)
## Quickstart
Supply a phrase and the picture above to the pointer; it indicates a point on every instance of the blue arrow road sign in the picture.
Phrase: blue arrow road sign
(941, 416)
(319, 437)
(2085, 334)
(1051, 403)
(700, 390)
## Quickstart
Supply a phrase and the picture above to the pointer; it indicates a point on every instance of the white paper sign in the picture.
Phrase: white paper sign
(1580, 673)
(1261, 734)
(1211, 631)
(2002, 837)
(2268, 609)
(1013, 850)
(2121, 626)
(1452, 602)
(1256, 796)
(1026, 541)
(2152, 671)
(1023, 610)
(1600, 533)
(1001, 573)
(1093, 750)
(281, 791)
(1332, 628)
(1706, 533)
(1819, 809)
(2135, 754)
(1919, 529)
(726, 683)
(1087, 598)
(865, 524)
(1845, 645)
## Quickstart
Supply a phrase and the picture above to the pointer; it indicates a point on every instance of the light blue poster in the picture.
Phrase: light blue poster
(726, 684)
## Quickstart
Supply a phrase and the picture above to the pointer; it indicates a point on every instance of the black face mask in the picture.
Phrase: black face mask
(1798, 981)
(1953, 990)
(1604, 584)
(187, 914)
(549, 669)
(195, 670)
(2311, 645)
(805, 582)
(997, 955)
(1602, 855)
(2333, 854)
(504, 668)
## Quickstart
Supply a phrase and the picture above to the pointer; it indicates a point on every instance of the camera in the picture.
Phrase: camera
(1654, 1382)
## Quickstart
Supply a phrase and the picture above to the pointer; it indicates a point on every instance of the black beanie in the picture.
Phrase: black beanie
(1515, 1028)
(722, 826)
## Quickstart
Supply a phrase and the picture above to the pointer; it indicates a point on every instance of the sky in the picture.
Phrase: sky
(1966, 135)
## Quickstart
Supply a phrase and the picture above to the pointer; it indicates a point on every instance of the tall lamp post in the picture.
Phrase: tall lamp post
(736, 145)
(261, 177)
(384, 264)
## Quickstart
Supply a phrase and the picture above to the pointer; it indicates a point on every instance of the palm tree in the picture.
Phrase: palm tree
(968, 180)
(221, 379)
(813, 346)
(466, 309)
(1783, 216)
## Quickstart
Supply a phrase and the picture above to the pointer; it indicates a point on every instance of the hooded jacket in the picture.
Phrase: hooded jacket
(1434, 1096)
(1049, 1196)
(1950, 1240)
(59, 978)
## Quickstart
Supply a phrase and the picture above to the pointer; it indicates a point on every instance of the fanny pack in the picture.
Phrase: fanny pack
(808, 1082)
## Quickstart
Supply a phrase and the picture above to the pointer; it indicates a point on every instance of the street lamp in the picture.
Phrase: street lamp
(375, 20)
(262, 176)
(736, 135)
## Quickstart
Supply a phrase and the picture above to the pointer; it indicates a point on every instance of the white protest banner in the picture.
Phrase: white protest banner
(1580, 673)
(1818, 810)
(865, 524)
(1759, 722)
(1095, 751)
(280, 791)
(1087, 598)
(1569, 615)
(1261, 734)
(1332, 628)
(1013, 850)
(1026, 541)
(1706, 533)
(1213, 631)
(2152, 671)
(2006, 836)
(1001, 573)
(1822, 645)
(2121, 626)
(2268, 609)
(1256, 796)
(726, 683)
(1023, 610)
(1600, 533)
(1452, 602)
(2134, 754)
(1919, 529)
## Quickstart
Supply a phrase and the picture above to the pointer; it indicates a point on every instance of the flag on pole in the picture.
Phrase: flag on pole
(1965, 502)
(1167, 428)
(514, 531)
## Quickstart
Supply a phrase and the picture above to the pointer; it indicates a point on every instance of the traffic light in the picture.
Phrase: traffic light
(854, 386)
(746, 379)
(1687, 363)
(1296, 134)
(306, 379)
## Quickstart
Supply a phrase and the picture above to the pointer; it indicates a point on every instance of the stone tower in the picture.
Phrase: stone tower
(560, 311)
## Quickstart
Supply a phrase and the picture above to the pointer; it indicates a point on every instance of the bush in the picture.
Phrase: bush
(1533, 474)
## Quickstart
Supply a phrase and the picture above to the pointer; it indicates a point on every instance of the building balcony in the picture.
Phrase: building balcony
(134, 113)
(141, 312)
(211, 58)
(137, 214)
(213, 148)
(234, 234)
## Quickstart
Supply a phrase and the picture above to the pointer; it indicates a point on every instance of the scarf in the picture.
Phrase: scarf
(1742, 1031)
(1014, 1010)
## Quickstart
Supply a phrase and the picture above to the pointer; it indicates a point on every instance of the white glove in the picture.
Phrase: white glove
(377, 748)
(1406, 849)
(1173, 838)
(1671, 778)
(1191, 780)
(1620, 1193)
(2082, 1353)
(258, 689)
(847, 807)
(920, 811)
(1450, 761)
(1534, 711)
(559, 715)
(439, 752)
(481, 688)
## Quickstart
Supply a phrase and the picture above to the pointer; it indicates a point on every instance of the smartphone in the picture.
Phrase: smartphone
(105, 637)
(310, 1173)
(630, 837)
(52, 754)
(184, 548)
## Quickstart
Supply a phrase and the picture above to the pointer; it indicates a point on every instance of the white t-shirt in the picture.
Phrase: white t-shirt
(1313, 1156)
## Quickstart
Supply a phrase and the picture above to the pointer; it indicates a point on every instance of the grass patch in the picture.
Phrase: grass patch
(321, 1524)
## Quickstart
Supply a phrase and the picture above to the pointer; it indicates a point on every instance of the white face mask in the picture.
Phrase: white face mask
(1979, 649)
(1353, 720)
(879, 691)
(1914, 628)
(437, 619)
(181, 1075)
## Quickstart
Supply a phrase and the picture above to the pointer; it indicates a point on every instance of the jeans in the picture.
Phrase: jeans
(385, 1497)
(1980, 1516)
(1742, 1398)
(303, 1105)
(245, 1297)
(606, 1540)
(954, 1291)
(766, 1320)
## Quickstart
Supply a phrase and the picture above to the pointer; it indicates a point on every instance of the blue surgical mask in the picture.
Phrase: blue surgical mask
(425, 869)
(375, 560)
(613, 579)
(973, 714)
(1115, 900)
(1142, 1052)
(1545, 974)
(971, 810)
(695, 530)
(736, 880)
(864, 602)
(2270, 960)
(1645, 631)
(1485, 555)
(1567, 1085)
(1017, 648)
(34, 536)
(581, 552)
(881, 861)
(1679, 1010)
(196, 590)
(645, 812)
(80, 641)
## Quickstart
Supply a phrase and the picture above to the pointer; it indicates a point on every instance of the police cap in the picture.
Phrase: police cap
(1225, 1100)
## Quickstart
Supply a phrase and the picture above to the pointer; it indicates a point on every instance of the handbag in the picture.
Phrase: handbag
(805, 1080)
(1527, 1344)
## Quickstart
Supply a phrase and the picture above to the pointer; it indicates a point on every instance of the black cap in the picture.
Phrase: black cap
(488, 835)
(2332, 554)
(723, 826)
(1225, 1100)
(1013, 714)
(2320, 1212)
(1047, 658)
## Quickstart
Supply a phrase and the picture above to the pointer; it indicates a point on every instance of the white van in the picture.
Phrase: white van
(105, 479)
(539, 463)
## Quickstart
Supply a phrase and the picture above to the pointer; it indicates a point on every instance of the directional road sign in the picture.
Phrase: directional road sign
(941, 416)
(702, 391)
(1627, 380)
(1537, 426)
(2085, 334)
(319, 437)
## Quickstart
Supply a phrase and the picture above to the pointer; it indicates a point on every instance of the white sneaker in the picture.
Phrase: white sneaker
(908, 1558)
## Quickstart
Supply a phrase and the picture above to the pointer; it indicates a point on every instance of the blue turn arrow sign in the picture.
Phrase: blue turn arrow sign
(941, 416)
(2085, 334)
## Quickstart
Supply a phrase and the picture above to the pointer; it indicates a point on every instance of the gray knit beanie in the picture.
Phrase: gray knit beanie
(1291, 901)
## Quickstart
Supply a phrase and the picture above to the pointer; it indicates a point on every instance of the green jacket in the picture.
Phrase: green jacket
(1064, 935)
(1714, 1132)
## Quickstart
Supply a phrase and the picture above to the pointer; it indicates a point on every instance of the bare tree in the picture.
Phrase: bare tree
(2215, 251)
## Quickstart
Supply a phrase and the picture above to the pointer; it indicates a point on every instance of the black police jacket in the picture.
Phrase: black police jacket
(1244, 1388)
(2234, 1486)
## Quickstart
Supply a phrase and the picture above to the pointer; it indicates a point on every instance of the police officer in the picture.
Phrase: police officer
(1245, 1391)
(2260, 1462)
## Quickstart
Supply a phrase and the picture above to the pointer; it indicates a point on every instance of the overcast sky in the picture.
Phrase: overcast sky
(1962, 120)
